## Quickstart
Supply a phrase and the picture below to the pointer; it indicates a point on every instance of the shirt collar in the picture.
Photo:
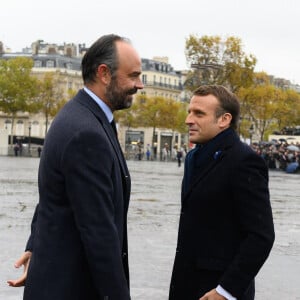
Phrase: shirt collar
(107, 111)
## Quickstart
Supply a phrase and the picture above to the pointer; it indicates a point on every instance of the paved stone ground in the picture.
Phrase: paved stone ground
(153, 220)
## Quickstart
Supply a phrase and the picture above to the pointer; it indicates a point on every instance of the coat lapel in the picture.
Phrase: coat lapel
(88, 102)
(211, 158)
(201, 172)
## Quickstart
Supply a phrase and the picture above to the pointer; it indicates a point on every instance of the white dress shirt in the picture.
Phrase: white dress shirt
(103, 106)
(224, 293)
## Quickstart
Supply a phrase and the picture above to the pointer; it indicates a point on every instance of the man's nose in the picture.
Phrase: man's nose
(188, 119)
(139, 84)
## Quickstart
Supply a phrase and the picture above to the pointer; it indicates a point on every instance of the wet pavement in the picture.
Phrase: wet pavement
(152, 222)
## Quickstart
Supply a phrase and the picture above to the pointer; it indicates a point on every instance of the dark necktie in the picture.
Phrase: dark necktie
(113, 125)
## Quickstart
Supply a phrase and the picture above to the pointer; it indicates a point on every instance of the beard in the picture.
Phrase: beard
(119, 98)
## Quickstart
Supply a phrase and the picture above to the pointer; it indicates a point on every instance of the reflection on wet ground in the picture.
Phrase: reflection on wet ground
(152, 222)
(285, 195)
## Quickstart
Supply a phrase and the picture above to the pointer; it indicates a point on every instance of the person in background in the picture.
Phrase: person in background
(148, 152)
(78, 243)
(16, 149)
(179, 156)
(39, 150)
(226, 229)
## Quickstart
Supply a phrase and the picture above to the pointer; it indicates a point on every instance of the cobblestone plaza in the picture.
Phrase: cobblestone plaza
(152, 222)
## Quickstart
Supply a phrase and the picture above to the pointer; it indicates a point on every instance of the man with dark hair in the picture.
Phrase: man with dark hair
(226, 229)
(78, 244)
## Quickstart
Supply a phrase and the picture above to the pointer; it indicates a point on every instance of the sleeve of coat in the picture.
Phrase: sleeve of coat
(91, 170)
(254, 216)
(29, 245)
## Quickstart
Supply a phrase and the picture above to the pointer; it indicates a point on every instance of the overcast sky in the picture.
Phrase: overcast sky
(269, 29)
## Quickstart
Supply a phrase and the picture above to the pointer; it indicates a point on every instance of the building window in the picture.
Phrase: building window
(20, 127)
(37, 64)
(8, 126)
(134, 144)
(69, 66)
(50, 64)
(35, 128)
(144, 78)
(143, 66)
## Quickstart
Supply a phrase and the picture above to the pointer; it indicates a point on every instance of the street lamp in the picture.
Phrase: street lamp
(207, 71)
(6, 127)
(29, 138)
(251, 131)
(206, 66)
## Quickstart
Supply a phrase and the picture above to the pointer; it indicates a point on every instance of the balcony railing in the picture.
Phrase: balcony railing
(163, 85)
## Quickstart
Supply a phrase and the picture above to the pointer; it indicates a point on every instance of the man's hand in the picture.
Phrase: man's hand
(212, 295)
(22, 261)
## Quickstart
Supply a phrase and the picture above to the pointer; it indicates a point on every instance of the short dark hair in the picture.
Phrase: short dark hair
(229, 102)
(103, 51)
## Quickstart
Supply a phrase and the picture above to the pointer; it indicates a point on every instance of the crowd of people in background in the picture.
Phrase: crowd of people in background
(279, 155)
(19, 149)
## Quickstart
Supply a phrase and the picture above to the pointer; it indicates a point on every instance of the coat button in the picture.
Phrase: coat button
(124, 254)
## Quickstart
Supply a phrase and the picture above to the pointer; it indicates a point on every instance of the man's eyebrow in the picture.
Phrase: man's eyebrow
(135, 73)
(197, 111)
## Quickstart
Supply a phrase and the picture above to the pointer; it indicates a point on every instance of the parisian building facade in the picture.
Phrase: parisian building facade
(158, 76)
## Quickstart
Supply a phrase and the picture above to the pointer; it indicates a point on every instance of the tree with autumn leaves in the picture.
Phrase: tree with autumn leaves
(21, 91)
(213, 60)
(18, 88)
(217, 60)
(154, 112)
(51, 97)
(267, 107)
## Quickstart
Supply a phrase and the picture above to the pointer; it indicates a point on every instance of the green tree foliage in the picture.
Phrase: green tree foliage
(151, 112)
(261, 78)
(267, 107)
(50, 99)
(18, 88)
(291, 114)
(262, 106)
(218, 61)
(154, 112)
(127, 117)
(175, 115)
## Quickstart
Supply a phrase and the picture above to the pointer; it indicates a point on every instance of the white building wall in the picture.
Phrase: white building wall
(3, 141)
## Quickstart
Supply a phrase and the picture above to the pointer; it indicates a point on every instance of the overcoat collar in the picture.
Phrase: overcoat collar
(86, 100)
(210, 156)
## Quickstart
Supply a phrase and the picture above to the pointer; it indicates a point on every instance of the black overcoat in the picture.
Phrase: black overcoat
(226, 227)
(79, 235)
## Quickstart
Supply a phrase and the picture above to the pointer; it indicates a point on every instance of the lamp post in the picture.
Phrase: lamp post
(29, 138)
(207, 68)
(251, 131)
(9, 134)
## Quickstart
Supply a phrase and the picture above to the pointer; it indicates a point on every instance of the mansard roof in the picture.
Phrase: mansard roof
(58, 61)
